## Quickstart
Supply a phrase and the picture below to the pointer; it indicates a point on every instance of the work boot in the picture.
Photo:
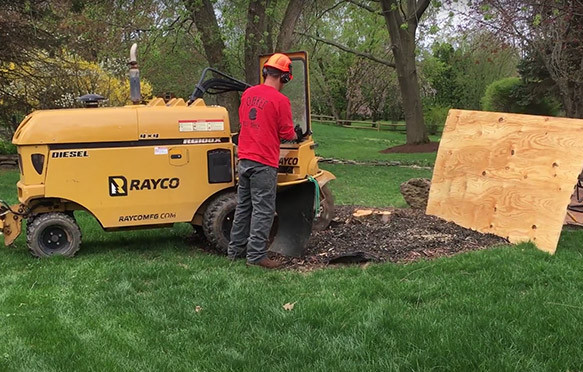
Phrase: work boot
(266, 262)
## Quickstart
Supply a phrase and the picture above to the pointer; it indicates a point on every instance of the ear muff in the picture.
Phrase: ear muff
(287, 75)
(285, 78)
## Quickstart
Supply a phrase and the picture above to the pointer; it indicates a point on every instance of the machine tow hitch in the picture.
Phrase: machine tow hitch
(10, 224)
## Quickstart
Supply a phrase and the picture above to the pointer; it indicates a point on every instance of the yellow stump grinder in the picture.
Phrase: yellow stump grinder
(154, 165)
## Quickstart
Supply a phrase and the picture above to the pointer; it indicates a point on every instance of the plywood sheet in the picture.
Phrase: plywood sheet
(507, 174)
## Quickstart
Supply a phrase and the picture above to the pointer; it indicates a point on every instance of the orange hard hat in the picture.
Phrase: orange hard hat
(279, 61)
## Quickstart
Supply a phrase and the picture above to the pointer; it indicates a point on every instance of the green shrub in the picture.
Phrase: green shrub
(501, 95)
(510, 95)
(435, 117)
(7, 148)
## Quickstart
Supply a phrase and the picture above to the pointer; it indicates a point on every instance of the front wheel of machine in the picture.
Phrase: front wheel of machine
(218, 220)
(53, 234)
(326, 209)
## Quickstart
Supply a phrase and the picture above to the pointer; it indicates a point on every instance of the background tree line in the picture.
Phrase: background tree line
(408, 60)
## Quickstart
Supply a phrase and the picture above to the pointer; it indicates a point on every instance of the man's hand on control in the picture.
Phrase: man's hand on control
(299, 133)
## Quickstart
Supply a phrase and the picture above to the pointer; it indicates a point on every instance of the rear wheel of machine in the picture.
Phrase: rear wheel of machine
(326, 209)
(198, 230)
(52, 234)
(218, 220)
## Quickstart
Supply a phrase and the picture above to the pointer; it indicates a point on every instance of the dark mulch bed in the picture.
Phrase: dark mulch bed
(410, 149)
(404, 235)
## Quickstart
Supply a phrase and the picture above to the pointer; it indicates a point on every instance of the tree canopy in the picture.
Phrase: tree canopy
(550, 34)
(406, 60)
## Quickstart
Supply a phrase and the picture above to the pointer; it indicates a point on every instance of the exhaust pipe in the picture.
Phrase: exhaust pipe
(135, 94)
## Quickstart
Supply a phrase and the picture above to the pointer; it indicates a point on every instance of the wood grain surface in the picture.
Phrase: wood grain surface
(507, 174)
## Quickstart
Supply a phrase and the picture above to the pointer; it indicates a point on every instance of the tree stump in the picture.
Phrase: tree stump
(416, 192)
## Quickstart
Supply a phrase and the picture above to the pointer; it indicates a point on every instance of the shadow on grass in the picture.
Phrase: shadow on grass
(176, 240)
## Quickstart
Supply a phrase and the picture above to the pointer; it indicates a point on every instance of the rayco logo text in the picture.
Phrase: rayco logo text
(118, 185)
(288, 161)
(154, 183)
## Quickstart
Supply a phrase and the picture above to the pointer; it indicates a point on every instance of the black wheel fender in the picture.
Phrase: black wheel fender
(51, 234)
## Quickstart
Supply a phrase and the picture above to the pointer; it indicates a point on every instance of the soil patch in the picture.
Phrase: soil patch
(411, 149)
(387, 235)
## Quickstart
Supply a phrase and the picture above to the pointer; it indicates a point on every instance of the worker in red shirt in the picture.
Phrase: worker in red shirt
(265, 118)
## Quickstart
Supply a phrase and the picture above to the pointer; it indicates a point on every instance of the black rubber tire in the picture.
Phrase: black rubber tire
(326, 209)
(218, 220)
(51, 234)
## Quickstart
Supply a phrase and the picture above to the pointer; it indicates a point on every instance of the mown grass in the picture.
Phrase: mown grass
(368, 185)
(150, 301)
(129, 304)
(364, 145)
(374, 186)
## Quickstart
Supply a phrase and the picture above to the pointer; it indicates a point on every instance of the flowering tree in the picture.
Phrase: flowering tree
(48, 82)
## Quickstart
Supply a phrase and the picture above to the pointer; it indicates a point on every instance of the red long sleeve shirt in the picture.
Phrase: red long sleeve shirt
(265, 118)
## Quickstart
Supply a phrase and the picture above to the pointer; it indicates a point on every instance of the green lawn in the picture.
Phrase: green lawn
(149, 301)
(134, 307)
(369, 185)
(364, 145)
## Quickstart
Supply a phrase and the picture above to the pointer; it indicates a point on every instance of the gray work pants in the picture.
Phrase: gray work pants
(255, 210)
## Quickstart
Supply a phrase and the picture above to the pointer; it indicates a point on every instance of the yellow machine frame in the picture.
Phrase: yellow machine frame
(138, 166)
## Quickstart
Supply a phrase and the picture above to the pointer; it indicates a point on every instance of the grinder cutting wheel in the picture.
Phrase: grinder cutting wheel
(157, 164)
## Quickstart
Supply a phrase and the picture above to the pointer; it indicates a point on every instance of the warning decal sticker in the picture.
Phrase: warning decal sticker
(201, 125)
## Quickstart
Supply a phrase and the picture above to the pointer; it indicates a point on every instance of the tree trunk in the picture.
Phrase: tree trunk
(203, 16)
(268, 41)
(409, 87)
(288, 25)
(402, 34)
(571, 95)
(570, 90)
(258, 33)
(326, 89)
(254, 43)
